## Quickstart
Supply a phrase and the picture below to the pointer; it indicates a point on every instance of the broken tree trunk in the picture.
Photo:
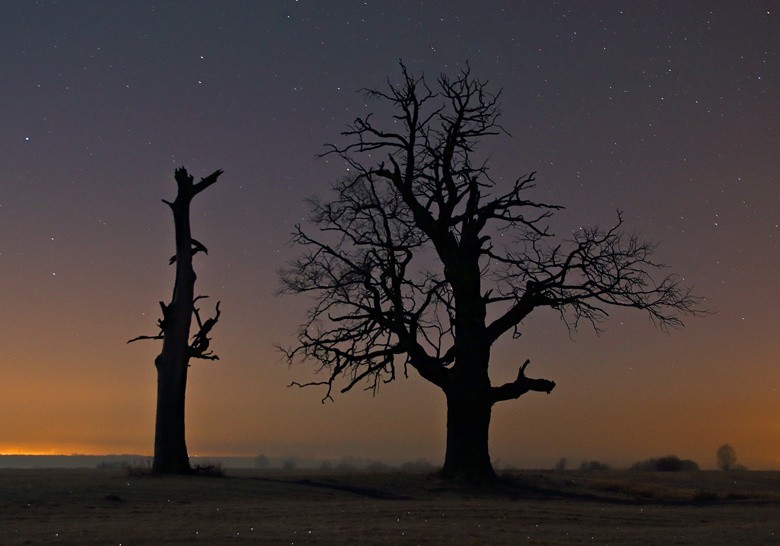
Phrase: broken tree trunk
(170, 448)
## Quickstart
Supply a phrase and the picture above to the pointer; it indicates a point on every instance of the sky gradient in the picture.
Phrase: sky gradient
(668, 111)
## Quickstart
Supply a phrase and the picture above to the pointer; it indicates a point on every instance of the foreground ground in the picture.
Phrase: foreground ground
(617, 507)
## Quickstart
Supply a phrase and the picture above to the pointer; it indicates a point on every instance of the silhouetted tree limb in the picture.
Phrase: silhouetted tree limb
(160, 323)
(601, 268)
(197, 246)
(200, 341)
(521, 385)
(158, 336)
(423, 261)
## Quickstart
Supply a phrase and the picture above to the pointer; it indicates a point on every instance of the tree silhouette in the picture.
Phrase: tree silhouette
(423, 262)
(726, 457)
(170, 448)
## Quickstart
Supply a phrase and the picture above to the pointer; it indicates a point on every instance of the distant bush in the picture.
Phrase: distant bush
(209, 470)
(593, 465)
(262, 462)
(561, 464)
(326, 466)
(377, 466)
(420, 465)
(669, 463)
(345, 465)
(290, 463)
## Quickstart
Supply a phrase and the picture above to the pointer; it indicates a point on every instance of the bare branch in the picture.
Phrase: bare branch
(199, 348)
(603, 268)
(197, 246)
(406, 257)
(521, 385)
(158, 336)
(207, 181)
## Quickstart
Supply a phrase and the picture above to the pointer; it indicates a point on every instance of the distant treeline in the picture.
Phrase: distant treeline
(669, 463)
(105, 461)
(260, 462)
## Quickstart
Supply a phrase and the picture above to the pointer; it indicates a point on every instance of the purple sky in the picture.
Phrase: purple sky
(666, 110)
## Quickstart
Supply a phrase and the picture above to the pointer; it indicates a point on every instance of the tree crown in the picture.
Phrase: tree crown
(407, 269)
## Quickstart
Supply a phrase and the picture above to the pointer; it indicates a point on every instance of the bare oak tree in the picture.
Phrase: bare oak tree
(170, 448)
(407, 270)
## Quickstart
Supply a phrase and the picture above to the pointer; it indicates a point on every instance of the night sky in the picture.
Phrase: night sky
(668, 111)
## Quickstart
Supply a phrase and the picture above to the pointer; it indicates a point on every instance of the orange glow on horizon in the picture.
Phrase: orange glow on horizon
(63, 451)
(86, 240)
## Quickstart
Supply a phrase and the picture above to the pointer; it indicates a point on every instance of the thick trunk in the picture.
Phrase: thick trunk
(170, 448)
(468, 424)
(469, 393)
(469, 404)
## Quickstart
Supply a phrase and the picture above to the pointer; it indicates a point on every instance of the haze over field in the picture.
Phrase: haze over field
(664, 110)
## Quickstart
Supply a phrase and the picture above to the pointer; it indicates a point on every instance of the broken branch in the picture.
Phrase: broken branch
(521, 385)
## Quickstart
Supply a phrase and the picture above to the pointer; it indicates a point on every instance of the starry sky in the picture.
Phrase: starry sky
(668, 111)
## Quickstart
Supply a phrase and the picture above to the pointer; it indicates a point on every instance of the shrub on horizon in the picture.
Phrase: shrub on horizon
(377, 466)
(210, 469)
(346, 465)
(419, 465)
(668, 463)
(326, 466)
(594, 465)
(262, 462)
(290, 463)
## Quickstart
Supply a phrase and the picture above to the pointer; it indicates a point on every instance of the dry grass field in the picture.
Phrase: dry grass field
(298, 507)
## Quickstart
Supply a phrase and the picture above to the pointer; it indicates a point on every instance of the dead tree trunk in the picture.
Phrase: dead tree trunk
(170, 448)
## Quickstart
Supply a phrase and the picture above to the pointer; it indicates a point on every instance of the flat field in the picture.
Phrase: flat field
(298, 507)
